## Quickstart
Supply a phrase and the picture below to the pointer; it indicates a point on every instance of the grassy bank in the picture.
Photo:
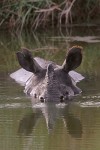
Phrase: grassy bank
(16, 14)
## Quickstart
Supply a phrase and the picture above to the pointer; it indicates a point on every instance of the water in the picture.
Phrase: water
(76, 126)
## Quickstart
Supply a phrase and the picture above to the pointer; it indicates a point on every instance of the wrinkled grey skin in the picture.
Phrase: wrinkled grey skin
(49, 81)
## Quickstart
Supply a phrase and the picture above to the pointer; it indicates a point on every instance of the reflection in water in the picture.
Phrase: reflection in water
(74, 125)
(27, 123)
(51, 113)
(71, 127)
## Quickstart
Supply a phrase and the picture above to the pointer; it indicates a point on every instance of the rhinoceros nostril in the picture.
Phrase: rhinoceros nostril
(62, 99)
(42, 100)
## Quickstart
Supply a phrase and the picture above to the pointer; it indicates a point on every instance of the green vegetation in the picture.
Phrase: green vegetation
(18, 14)
(49, 48)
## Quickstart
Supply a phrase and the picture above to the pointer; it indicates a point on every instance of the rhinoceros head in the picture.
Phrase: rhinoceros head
(49, 81)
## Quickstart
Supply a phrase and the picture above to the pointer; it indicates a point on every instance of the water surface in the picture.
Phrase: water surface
(75, 126)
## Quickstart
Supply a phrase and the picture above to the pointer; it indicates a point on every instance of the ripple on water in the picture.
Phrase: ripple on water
(14, 105)
(90, 101)
(14, 102)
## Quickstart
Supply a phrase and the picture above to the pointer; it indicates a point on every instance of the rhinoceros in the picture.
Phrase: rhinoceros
(45, 80)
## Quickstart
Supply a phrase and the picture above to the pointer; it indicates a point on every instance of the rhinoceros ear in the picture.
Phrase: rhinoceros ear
(27, 62)
(73, 59)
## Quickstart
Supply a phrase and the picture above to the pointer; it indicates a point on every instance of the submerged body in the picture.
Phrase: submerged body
(47, 81)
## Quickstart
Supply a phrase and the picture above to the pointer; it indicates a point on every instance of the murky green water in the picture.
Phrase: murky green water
(24, 126)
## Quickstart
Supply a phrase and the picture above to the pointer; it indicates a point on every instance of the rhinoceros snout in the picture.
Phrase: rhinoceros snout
(59, 99)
